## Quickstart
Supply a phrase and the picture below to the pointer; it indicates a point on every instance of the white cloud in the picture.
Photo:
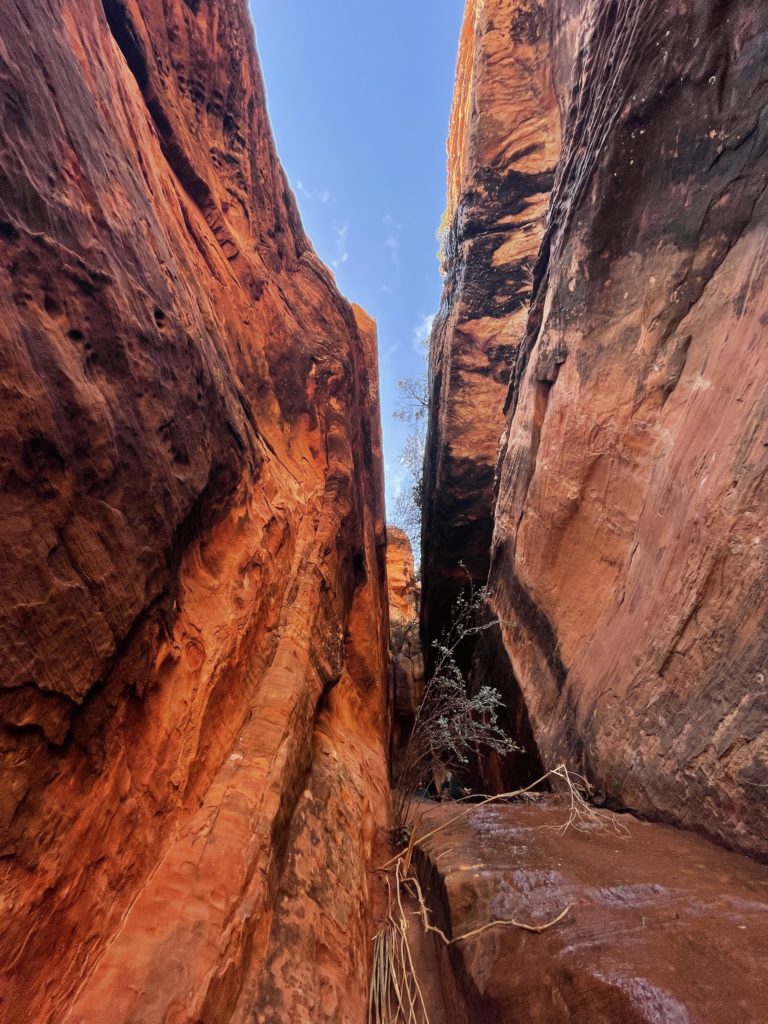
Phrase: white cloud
(398, 479)
(422, 331)
(341, 231)
(392, 238)
(389, 351)
(321, 195)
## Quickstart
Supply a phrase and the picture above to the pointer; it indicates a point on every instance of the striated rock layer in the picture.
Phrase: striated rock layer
(629, 550)
(192, 597)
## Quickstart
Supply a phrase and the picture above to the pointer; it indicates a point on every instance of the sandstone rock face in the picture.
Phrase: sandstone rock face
(406, 660)
(630, 556)
(403, 589)
(629, 550)
(192, 597)
(502, 149)
(663, 927)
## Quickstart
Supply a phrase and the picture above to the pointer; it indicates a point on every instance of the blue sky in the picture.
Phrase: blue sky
(359, 96)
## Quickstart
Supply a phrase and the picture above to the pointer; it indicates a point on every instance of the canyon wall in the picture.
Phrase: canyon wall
(502, 149)
(193, 713)
(628, 561)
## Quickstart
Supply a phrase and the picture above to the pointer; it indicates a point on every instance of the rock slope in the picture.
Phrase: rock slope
(192, 596)
(628, 561)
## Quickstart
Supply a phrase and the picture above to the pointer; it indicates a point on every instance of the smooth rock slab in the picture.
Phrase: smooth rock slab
(664, 927)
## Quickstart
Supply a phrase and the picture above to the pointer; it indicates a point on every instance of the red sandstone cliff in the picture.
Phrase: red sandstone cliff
(192, 601)
(502, 149)
(629, 550)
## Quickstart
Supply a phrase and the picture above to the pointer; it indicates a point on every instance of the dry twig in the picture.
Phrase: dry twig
(396, 996)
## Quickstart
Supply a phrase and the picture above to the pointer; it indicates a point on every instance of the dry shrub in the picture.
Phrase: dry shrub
(450, 724)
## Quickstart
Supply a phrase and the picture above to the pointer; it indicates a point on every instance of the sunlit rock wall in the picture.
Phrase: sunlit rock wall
(502, 149)
(406, 658)
(192, 596)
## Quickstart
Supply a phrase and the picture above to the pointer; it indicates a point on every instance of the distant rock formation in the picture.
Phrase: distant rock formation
(406, 660)
(192, 597)
(629, 560)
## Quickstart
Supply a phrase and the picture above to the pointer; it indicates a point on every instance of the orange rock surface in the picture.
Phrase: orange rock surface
(403, 589)
(193, 712)
(628, 562)
(406, 660)
(502, 149)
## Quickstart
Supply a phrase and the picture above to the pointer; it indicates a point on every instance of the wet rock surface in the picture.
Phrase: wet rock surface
(664, 927)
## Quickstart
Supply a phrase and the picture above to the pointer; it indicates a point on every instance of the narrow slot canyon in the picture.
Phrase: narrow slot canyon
(296, 731)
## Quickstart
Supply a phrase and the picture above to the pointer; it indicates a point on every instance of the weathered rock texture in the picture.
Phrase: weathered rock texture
(406, 660)
(629, 551)
(194, 624)
(663, 927)
(502, 149)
